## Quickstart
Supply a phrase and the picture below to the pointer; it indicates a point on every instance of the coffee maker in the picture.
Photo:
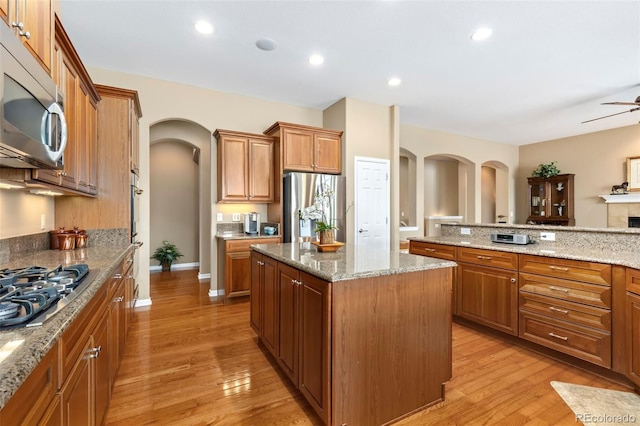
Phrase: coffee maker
(252, 223)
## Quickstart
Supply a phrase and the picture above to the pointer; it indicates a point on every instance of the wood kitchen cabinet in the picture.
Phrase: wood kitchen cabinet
(633, 326)
(35, 18)
(308, 149)
(117, 117)
(234, 264)
(264, 300)
(303, 346)
(566, 305)
(439, 251)
(245, 167)
(488, 288)
(551, 200)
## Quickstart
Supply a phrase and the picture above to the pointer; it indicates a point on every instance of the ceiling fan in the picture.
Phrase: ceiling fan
(636, 103)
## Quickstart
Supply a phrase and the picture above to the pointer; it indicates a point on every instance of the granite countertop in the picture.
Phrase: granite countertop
(21, 349)
(613, 256)
(349, 262)
(243, 236)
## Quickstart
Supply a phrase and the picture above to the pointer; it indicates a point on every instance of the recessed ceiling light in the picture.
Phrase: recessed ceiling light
(266, 44)
(204, 27)
(394, 81)
(481, 34)
(316, 59)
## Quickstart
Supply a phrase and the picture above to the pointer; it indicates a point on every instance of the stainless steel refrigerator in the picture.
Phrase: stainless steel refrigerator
(304, 192)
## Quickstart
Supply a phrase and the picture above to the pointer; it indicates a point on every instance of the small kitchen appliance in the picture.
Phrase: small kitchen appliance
(251, 223)
(511, 238)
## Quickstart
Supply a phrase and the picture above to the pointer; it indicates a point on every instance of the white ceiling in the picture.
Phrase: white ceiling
(546, 68)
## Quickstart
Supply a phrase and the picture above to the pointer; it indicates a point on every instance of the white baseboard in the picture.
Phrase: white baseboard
(216, 293)
(142, 302)
(202, 276)
(176, 266)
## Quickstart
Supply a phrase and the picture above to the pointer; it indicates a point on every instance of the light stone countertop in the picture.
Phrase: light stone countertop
(350, 261)
(21, 349)
(243, 236)
(624, 256)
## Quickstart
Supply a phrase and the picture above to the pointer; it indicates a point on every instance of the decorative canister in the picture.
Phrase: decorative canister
(66, 241)
(53, 238)
(81, 240)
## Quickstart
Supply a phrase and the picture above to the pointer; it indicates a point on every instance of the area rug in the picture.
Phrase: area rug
(595, 406)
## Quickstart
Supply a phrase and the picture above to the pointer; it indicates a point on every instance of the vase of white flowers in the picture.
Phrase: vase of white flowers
(321, 213)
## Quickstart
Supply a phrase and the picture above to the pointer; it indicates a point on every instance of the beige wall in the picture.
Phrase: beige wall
(174, 192)
(472, 153)
(441, 187)
(20, 213)
(597, 159)
(162, 100)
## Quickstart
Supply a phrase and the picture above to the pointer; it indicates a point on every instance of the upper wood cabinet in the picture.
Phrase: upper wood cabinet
(551, 200)
(308, 149)
(245, 167)
(32, 22)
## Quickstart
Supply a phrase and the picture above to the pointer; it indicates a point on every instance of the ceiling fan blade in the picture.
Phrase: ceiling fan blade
(620, 103)
(611, 115)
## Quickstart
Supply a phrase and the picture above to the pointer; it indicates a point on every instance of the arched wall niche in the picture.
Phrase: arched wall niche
(407, 194)
(449, 182)
(198, 139)
(495, 192)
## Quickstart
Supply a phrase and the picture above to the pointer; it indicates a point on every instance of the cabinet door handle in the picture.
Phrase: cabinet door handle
(117, 276)
(429, 250)
(554, 288)
(484, 257)
(562, 311)
(558, 336)
(558, 268)
(513, 280)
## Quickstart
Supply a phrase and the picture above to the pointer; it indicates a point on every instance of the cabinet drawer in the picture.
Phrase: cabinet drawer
(590, 272)
(245, 245)
(590, 294)
(633, 281)
(498, 259)
(566, 311)
(439, 251)
(591, 345)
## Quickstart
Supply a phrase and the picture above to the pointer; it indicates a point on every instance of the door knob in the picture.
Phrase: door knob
(362, 230)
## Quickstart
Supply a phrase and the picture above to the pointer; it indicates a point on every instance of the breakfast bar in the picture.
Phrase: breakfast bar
(364, 334)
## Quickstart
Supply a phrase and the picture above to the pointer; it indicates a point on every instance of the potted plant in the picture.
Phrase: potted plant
(546, 170)
(166, 254)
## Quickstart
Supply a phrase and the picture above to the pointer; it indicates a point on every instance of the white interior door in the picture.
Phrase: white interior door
(373, 205)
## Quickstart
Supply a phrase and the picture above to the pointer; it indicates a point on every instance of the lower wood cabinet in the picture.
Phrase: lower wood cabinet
(633, 326)
(72, 384)
(439, 251)
(488, 296)
(303, 344)
(264, 299)
(234, 264)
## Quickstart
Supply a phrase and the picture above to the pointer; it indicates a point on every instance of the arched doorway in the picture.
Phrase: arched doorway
(180, 190)
(494, 190)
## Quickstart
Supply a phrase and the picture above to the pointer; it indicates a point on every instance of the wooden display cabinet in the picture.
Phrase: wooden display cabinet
(551, 200)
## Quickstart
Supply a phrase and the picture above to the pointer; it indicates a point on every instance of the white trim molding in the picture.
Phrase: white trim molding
(202, 276)
(621, 198)
(216, 293)
(176, 266)
(142, 302)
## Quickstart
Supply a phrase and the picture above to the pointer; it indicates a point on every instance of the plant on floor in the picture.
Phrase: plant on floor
(166, 254)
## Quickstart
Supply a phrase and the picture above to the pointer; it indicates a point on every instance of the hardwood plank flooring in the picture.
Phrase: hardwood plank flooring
(189, 360)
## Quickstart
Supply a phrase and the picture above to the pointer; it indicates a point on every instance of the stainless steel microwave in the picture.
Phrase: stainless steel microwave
(33, 130)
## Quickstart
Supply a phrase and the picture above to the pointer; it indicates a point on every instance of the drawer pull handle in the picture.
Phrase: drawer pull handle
(513, 280)
(558, 336)
(562, 311)
(558, 268)
(429, 249)
(484, 257)
(554, 288)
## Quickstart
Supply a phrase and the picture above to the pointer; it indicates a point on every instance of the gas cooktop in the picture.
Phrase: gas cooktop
(31, 295)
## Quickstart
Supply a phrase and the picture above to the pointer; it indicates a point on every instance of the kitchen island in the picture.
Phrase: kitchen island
(365, 335)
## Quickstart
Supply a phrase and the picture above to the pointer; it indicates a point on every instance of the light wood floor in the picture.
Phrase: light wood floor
(190, 360)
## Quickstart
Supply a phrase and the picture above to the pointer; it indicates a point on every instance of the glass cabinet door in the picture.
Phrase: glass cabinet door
(558, 189)
(537, 201)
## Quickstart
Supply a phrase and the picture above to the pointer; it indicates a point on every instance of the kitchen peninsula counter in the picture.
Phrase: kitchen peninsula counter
(364, 334)
(21, 349)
